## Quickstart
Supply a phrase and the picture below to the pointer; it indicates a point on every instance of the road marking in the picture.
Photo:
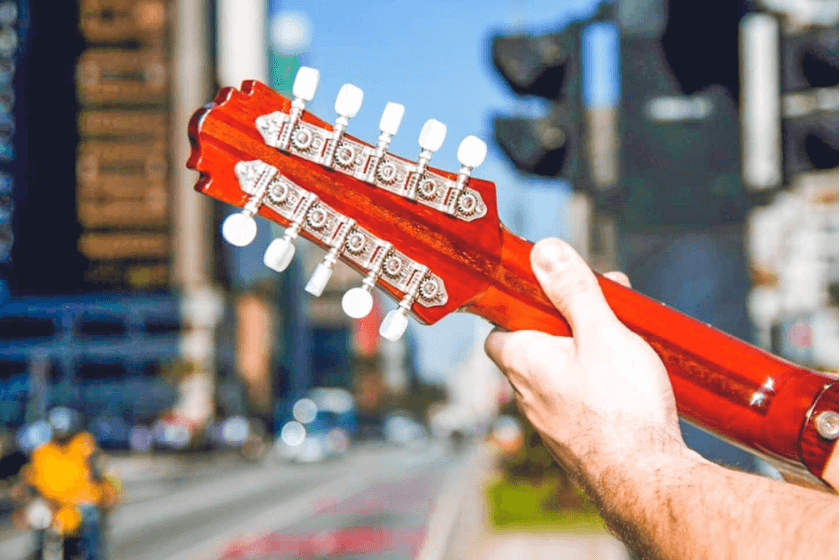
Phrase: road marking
(445, 512)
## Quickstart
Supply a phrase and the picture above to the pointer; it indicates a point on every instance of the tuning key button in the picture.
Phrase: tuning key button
(432, 136)
(357, 302)
(396, 321)
(471, 153)
(319, 279)
(347, 105)
(431, 139)
(239, 229)
(394, 325)
(305, 84)
(303, 90)
(391, 119)
(280, 252)
(323, 272)
(389, 124)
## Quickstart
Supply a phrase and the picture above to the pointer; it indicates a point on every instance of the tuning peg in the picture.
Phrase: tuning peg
(357, 302)
(471, 153)
(348, 102)
(239, 229)
(431, 139)
(323, 272)
(394, 325)
(318, 280)
(305, 84)
(280, 252)
(391, 119)
(432, 136)
(303, 90)
(389, 124)
(347, 105)
(396, 321)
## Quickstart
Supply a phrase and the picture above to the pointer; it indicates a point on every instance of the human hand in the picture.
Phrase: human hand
(599, 399)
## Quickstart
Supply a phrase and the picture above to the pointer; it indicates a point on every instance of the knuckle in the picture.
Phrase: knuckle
(573, 286)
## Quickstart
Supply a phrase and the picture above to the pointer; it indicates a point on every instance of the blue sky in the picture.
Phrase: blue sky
(434, 58)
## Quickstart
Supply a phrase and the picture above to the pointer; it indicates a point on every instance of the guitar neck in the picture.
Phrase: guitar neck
(721, 384)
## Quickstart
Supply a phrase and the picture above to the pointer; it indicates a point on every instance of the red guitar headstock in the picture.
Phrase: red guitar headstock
(427, 237)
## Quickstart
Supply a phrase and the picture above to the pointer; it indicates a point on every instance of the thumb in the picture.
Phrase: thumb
(570, 285)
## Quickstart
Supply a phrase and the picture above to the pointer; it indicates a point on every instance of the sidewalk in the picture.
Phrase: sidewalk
(473, 537)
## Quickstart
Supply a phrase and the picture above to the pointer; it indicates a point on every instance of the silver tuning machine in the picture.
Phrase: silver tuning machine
(357, 302)
(280, 252)
(347, 105)
(471, 153)
(389, 124)
(324, 270)
(303, 90)
(396, 321)
(431, 139)
(240, 229)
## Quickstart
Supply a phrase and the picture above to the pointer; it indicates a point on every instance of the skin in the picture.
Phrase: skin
(603, 404)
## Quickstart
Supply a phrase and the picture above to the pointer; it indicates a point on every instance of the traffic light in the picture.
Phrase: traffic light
(544, 66)
(809, 100)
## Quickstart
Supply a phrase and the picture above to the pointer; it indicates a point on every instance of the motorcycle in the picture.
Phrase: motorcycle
(58, 527)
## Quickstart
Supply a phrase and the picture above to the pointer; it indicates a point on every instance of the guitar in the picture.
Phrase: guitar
(432, 240)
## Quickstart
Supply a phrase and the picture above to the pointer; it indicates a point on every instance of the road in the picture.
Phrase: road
(377, 500)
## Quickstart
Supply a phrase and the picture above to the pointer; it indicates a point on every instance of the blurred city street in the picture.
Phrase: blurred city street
(237, 303)
(221, 507)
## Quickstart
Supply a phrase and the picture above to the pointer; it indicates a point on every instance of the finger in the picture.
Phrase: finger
(510, 350)
(618, 277)
(570, 285)
(498, 348)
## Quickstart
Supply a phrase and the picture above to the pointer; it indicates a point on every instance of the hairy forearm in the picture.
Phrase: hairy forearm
(687, 508)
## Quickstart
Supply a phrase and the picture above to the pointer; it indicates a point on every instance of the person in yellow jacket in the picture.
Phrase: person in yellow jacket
(67, 471)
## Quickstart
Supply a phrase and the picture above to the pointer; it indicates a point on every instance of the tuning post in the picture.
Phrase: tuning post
(357, 302)
(347, 105)
(396, 321)
(324, 270)
(471, 154)
(240, 229)
(431, 139)
(280, 252)
(303, 90)
(389, 124)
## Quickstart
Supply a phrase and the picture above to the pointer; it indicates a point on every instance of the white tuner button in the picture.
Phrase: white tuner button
(357, 303)
(392, 117)
(239, 229)
(394, 325)
(306, 82)
(279, 254)
(472, 151)
(349, 101)
(318, 280)
(432, 135)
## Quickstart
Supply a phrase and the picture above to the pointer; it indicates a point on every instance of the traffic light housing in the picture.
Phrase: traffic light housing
(548, 67)
(809, 76)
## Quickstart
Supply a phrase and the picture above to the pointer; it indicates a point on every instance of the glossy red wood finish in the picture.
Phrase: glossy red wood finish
(813, 447)
(720, 383)
(223, 134)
